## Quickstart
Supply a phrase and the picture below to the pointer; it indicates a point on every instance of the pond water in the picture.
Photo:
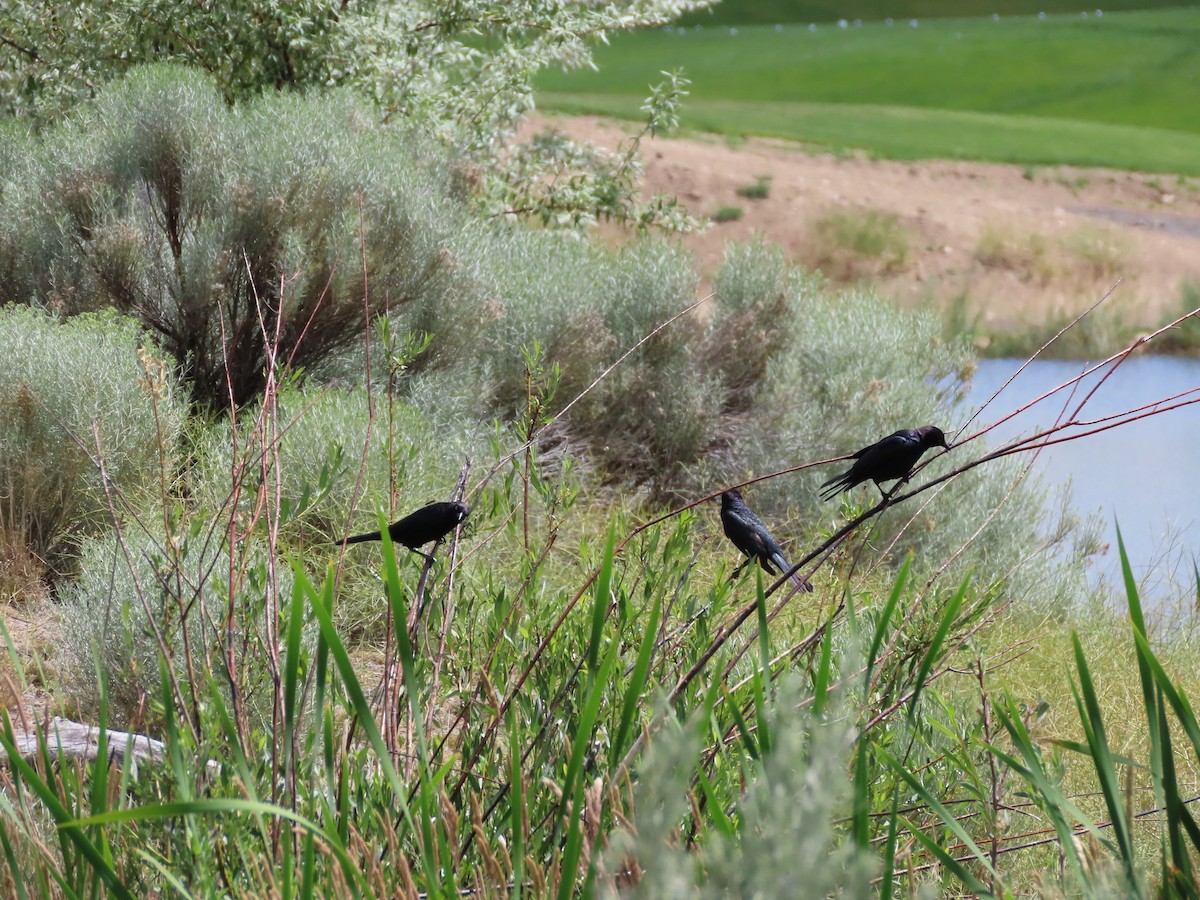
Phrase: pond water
(1143, 476)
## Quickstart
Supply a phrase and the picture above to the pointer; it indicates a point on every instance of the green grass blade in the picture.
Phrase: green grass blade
(233, 741)
(952, 865)
(587, 721)
(155, 862)
(98, 796)
(215, 805)
(1150, 697)
(69, 828)
(602, 595)
(398, 603)
(949, 615)
(173, 743)
(358, 699)
(1180, 869)
(1179, 702)
(410, 676)
(853, 626)
(517, 812)
(739, 721)
(1106, 773)
(1131, 591)
(1058, 807)
(1180, 816)
(1085, 750)
(889, 848)
(861, 812)
(308, 867)
(424, 809)
(720, 820)
(291, 669)
(1196, 575)
(636, 688)
(569, 867)
(885, 615)
(320, 681)
(573, 783)
(11, 857)
(823, 676)
(287, 868)
(947, 818)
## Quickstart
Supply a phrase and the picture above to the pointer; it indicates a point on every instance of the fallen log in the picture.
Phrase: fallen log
(76, 740)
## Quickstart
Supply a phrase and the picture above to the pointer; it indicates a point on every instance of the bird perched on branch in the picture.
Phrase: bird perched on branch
(750, 535)
(886, 460)
(429, 523)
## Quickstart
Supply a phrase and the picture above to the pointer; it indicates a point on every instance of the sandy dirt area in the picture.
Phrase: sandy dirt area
(1011, 245)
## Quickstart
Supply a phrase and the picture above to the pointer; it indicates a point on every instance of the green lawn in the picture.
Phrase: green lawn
(769, 12)
(896, 132)
(1016, 90)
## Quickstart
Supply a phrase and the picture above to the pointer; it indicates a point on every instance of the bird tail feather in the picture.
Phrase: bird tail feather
(784, 566)
(359, 538)
(835, 485)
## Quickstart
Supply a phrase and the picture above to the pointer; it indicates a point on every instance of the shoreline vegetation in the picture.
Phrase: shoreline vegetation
(245, 322)
(1004, 256)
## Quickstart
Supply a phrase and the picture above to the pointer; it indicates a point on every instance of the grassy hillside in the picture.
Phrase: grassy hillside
(770, 12)
(904, 91)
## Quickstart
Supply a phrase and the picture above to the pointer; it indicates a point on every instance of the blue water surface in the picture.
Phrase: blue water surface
(1144, 475)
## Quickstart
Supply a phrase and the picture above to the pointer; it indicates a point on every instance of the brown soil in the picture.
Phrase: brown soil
(32, 631)
(1019, 247)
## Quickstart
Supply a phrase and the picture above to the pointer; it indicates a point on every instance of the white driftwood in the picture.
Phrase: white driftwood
(76, 740)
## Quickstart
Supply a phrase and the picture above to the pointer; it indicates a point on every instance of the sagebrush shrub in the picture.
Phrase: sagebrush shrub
(581, 307)
(272, 232)
(757, 300)
(143, 599)
(75, 396)
(275, 233)
(785, 840)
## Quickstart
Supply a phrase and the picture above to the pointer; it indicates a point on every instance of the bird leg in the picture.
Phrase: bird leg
(428, 556)
(736, 572)
(887, 495)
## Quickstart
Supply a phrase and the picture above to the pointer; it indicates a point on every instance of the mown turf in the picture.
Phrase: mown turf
(1129, 69)
(1014, 90)
(909, 133)
(770, 12)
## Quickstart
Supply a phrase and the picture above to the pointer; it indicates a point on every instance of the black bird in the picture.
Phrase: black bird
(429, 523)
(886, 460)
(750, 535)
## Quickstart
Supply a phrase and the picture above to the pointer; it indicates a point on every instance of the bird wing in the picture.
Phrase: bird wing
(892, 457)
(747, 530)
(868, 461)
(883, 449)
